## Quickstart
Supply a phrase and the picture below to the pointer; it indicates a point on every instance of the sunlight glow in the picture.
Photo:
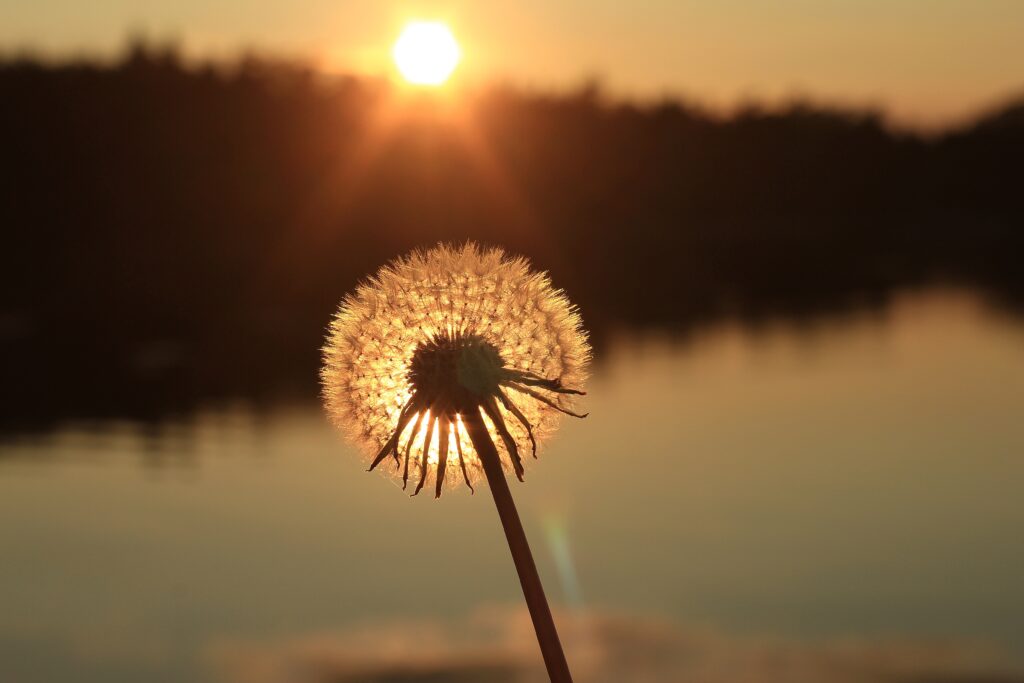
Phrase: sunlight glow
(426, 53)
(458, 431)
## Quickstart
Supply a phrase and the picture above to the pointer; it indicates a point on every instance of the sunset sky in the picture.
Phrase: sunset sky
(926, 61)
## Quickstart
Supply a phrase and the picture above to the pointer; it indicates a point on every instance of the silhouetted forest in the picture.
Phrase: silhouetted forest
(180, 234)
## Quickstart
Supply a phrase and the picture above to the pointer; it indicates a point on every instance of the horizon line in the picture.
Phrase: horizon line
(588, 83)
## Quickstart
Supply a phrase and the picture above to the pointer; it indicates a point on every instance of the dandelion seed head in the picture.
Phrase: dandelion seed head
(414, 346)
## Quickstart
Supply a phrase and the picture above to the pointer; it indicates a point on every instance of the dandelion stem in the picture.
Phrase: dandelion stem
(533, 591)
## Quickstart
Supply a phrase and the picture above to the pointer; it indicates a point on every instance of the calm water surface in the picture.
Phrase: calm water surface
(859, 479)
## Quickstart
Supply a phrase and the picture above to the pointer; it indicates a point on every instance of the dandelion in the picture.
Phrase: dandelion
(443, 334)
(459, 354)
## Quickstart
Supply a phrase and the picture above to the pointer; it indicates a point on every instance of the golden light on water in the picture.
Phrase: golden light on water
(426, 53)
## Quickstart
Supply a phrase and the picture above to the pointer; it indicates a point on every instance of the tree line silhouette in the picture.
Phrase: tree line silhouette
(176, 234)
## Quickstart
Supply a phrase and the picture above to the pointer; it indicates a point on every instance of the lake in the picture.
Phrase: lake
(838, 501)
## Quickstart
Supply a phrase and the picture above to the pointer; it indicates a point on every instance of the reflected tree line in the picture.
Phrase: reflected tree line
(180, 233)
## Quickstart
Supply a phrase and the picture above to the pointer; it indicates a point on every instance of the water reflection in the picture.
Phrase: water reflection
(785, 491)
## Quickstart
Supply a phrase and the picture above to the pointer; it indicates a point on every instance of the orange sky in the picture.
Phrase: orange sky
(926, 61)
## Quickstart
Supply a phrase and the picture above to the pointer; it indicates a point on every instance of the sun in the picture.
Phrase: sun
(426, 53)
